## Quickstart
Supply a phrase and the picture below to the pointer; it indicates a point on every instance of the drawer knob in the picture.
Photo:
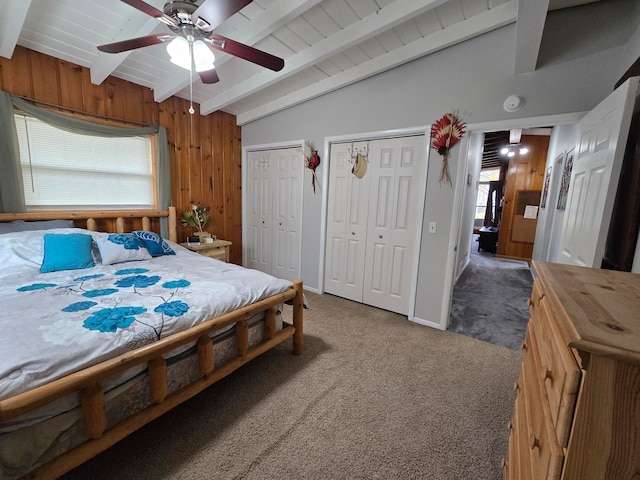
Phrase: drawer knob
(510, 425)
(516, 387)
(504, 463)
(523, 346)
(529, 302)
(534, 442)
(547, 375)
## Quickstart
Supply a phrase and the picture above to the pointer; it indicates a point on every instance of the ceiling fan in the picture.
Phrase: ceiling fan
(191, 43)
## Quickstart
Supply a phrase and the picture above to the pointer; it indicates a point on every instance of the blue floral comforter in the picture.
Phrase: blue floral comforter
(56, 323)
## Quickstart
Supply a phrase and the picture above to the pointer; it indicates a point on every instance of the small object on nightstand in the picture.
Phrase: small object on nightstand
(194, 240)
(218, 249)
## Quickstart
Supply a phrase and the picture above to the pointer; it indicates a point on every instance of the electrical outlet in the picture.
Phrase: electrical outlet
(432, 227)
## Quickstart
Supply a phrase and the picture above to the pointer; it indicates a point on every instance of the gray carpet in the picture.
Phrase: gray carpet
(373, 396)
(490, 299)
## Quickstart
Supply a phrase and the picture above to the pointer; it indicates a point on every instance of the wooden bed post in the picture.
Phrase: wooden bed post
(298, 338)
(270, 322)
(173, 231)
(93, 410)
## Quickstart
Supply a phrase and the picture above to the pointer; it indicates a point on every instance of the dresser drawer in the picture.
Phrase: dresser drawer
(517, 465)
(558, 370)
(217, 253)
(545, 452)
(522, 468)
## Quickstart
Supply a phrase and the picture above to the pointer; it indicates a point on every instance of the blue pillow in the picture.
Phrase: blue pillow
(154, 243)
(66, 251)
(121, 247)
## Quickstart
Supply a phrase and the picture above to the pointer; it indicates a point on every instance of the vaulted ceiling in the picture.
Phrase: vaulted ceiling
(326, 44)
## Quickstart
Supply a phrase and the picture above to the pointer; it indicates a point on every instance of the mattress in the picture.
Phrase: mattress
(63, 321)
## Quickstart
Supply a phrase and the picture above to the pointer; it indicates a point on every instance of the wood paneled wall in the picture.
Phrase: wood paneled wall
(205, 151)
(525, 172)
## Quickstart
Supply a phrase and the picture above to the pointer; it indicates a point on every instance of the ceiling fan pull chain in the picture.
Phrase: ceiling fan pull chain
(191, 110)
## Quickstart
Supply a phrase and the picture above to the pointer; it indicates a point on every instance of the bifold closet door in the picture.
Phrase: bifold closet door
(274, 201)
(346, 235)
(396, 167)
(372, 222)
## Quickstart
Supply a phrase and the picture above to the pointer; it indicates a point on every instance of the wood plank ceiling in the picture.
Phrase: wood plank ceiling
(326, 44)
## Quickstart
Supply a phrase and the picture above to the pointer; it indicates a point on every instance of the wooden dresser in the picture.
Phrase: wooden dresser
(577, 406)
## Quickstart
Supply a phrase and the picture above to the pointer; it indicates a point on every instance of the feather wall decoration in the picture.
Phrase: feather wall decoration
(445, 133)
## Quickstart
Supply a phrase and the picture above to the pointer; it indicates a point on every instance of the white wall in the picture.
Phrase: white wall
(548, 232)
(474, 78)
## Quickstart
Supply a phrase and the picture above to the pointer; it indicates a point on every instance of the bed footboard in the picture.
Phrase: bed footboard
(88, 381)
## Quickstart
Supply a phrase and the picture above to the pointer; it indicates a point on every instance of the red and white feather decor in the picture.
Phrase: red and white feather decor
(445, 133)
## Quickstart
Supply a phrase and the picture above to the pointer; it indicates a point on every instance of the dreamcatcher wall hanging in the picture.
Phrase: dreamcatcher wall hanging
(311, 161)
(445, 133)
(359, 160)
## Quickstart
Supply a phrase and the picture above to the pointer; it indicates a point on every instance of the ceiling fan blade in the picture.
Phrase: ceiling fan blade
(209, 76)
(151, 11)
(246, 52)
(134, 43)
(214, 12)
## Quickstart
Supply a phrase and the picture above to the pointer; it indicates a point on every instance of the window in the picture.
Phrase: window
(486, 176)
(63, 170)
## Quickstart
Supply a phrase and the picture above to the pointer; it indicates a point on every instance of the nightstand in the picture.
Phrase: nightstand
(219, 249)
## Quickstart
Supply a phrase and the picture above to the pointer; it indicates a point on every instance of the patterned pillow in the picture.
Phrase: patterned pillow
(122, 247)
(66, 251)
(154, 243)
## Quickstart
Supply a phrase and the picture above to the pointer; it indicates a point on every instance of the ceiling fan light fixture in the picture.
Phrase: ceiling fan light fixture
(524, 150)
(504, 150)
(178, 50)
(203, 57)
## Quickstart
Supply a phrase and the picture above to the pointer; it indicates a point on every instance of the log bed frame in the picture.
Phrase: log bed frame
(87, 381)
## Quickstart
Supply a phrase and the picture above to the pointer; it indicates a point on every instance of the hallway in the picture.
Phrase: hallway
(490, 299)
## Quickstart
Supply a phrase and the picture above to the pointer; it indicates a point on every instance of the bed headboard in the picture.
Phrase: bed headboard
(112, 221)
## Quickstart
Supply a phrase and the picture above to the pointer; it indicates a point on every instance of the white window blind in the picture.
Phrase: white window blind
(63, 170)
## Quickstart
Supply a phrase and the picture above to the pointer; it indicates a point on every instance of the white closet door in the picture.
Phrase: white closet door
(595, 175)
(346, 226)
(396, 168)
(258, 255)
(287, 213)
(274, 202)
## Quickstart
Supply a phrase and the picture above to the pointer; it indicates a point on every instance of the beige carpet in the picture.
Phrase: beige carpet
(373, 396)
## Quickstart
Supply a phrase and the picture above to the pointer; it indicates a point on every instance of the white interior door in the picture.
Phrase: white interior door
(274, 199)
(346, 233)
(603, 135)
(395, 173)
(258, 254)
(287, 213)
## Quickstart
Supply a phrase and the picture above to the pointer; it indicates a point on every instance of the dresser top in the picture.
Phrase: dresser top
(597, 310)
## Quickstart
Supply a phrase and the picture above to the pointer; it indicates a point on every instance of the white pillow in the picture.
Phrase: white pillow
(121, 247)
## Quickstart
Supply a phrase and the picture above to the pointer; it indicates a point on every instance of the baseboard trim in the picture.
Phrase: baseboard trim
(427, 323)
